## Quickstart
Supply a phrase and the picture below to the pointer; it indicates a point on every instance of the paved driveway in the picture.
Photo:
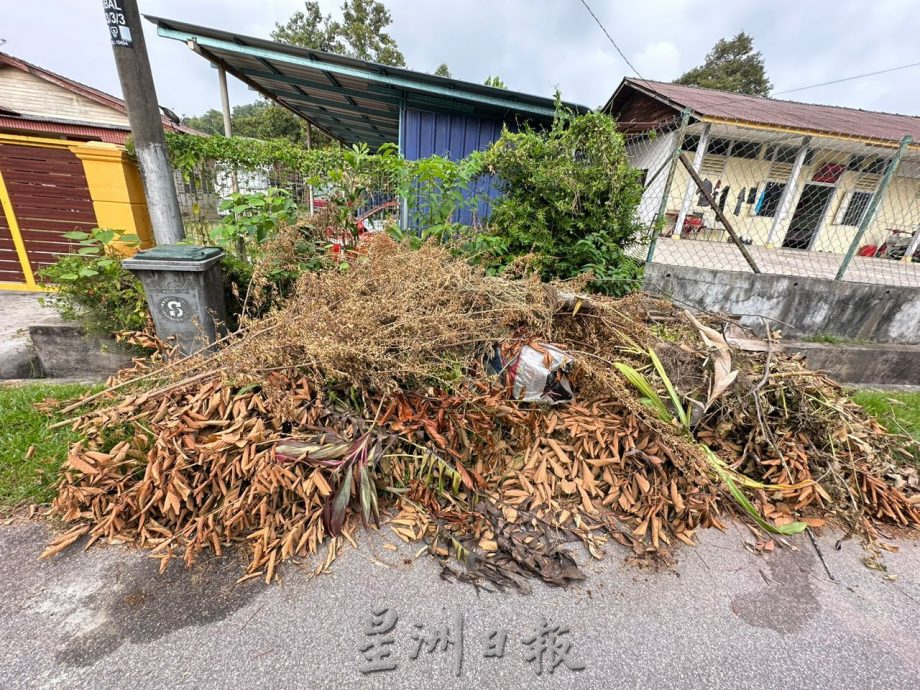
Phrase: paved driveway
(722, 618)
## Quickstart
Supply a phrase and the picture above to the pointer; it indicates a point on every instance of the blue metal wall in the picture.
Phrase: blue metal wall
(452, 136)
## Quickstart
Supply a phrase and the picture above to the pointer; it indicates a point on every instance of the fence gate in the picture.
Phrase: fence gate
(43, 194)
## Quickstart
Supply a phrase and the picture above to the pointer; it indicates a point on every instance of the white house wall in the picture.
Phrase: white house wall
(650, 155)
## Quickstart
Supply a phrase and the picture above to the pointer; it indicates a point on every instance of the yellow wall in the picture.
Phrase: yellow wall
(114, 187)
(900, 207)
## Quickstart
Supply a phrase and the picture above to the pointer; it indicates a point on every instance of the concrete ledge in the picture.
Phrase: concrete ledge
(18, 360)
(64, 350)
(803, 306)
(876, 364)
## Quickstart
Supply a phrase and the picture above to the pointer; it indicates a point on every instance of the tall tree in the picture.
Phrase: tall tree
(259, 120)
(732, 65)
(361, 33)
(309, 29)
(443, 70)
(211, 122)
(495, 82)
(264, 120)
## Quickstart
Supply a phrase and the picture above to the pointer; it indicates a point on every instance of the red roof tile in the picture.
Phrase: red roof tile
(87, 91)
(791, 114)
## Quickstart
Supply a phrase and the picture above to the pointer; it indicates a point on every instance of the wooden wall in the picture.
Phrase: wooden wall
(30, 95)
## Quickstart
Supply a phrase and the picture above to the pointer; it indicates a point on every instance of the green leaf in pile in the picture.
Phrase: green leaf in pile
(640, 383)
(682, 415)
(749, 508)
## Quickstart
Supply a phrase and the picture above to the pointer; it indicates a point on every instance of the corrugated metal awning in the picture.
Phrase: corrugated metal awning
(46, 126)
(352, 100)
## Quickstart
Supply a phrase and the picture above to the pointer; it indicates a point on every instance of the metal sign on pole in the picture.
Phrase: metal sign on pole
(130, 50)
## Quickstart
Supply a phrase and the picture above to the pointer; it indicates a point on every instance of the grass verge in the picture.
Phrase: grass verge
(898, 412)
(29, 475)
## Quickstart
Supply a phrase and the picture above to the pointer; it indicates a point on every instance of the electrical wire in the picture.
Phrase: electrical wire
(843, 79)
(610, 38)
(734, 98)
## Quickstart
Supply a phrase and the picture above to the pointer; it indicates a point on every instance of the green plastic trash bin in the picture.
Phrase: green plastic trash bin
(185, 293)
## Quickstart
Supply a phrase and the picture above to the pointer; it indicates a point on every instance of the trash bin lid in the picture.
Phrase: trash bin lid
(178, 252)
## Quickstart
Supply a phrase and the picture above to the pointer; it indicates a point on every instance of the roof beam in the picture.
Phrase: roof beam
(345, 119)
(214, 59)
(374, 93)
(332, 68)
(372, 118)
(309, 85)
(347, 126)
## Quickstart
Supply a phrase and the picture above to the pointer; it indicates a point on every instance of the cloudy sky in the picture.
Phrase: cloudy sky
(534, 45)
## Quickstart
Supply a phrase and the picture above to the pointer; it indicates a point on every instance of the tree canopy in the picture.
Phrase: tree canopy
(495, 82)
(732, 65)
(443, 70)
(259, 120)
(361, 33)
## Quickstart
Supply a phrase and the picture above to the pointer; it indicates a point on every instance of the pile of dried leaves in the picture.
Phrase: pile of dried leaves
(366, 397)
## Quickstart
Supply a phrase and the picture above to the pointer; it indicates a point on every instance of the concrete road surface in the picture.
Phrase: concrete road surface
(721, 618)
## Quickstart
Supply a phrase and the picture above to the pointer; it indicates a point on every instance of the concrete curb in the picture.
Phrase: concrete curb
(18, 360)
(66, 351)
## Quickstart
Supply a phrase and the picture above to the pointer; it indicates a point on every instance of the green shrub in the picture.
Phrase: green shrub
(568, 203)
(251, 219)
(93, 288)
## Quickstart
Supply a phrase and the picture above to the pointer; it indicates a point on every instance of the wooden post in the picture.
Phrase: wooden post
(873, 206)
(720, 214)
(224, 100)
(228, 128)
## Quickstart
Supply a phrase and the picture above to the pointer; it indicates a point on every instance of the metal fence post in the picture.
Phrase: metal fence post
(912, 247)
(672, 166)
(873, 206)
(403, 201)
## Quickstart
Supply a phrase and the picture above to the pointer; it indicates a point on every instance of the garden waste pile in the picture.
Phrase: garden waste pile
(494, 420)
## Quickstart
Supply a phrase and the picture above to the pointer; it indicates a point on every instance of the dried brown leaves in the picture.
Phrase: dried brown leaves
(185, 460)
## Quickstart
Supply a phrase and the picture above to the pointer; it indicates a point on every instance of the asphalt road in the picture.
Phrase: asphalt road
(721, 618)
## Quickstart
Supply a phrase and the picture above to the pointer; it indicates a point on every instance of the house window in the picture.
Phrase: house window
(745, 149)
(868, 164)
(719, 147)
(859, 202)
(690, 143)
(787, 154)
(769, 198)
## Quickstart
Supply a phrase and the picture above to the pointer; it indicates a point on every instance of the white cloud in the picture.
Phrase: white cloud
(659, 61)
(534, 45)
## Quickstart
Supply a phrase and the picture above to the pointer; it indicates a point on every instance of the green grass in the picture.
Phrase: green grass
(898, 412)
(825, 338)
(31, 479)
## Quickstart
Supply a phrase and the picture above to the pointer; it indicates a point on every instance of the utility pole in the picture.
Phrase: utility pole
(130, 49)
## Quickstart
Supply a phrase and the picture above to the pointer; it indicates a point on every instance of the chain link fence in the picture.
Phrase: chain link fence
(814, 206)
(202, 189)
